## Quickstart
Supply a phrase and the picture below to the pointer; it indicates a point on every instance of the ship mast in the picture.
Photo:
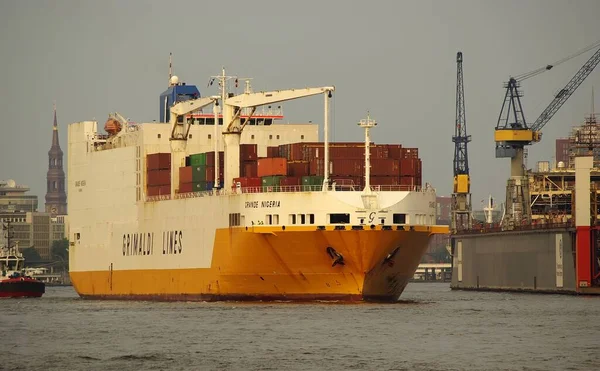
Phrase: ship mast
(367, 124)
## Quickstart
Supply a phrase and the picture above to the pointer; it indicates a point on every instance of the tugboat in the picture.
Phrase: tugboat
(14, 283)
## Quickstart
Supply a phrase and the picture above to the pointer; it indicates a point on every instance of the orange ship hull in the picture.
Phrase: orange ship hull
(271, 263)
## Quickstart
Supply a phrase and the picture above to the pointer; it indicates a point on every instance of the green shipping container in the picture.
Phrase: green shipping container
(312, 180)
(271, 181)
(198, 173)
(199, 186)
(199, 159)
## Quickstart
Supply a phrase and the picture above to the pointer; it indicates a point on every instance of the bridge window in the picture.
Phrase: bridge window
(292, 218)
(234, 219)
(302, 219)
(339, 218)
(311, 218)
(268, 219)
(399, 218)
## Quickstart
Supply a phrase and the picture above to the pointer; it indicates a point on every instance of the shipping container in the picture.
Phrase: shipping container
(394, 151)
(410, 153)
(210, 158)
(246, 182)
(198, 173)
(271, 181)
(158, 161)
(273, 152)
(199, 186)
(185, 174)
(347, 167)
(298, 168)
(385, 167)
(312, 180)
(248, 169)
(385, 180)
(198, 159)
(290, 181)
(158, 177)
(248, 152)
(410, 167)
(271, 166)
(210, 173)
(408, 181)
(158, 190)
(186, 187)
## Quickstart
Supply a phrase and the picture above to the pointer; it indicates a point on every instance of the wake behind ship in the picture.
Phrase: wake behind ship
(243, 210)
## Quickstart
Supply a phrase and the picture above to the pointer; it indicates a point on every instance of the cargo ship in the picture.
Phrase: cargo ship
(232, 205)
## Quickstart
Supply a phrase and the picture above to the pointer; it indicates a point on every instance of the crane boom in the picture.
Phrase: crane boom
(246, 100)
(183, 108)
(564, 94)
(192, 105)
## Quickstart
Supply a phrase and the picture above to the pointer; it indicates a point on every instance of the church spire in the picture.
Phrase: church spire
(56, 198)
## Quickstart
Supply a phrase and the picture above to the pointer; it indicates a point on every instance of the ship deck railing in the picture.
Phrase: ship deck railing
(516, 228)
(289, 189)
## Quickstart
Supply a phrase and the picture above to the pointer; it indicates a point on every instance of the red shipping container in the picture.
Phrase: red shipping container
(290, 181)
(210, 173)
(298, 168)
(385, 167)
(159, 190)
(158, 177)
(385, 180)
(158, 161)
(248, 182)
(248, 169)
(185, 174)
(316, 166)
(394, 151)
(408, 181)
(410, 153)
(410, 167)
(272, 151)
(271, 166)
(186, 188)
(348, 167)
(210, 158)
(248, 152)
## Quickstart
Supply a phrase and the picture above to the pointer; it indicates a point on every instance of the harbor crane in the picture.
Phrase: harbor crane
(461, 195)
(513, 133)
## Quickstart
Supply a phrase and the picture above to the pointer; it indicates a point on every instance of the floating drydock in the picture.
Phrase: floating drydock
(231, 205)
(558, 253)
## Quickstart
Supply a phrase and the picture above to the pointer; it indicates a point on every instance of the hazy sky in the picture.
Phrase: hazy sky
(394, 58)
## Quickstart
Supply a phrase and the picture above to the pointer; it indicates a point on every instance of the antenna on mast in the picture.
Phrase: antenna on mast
(170, 68)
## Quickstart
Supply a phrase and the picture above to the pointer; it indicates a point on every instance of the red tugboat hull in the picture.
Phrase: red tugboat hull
(21, 288)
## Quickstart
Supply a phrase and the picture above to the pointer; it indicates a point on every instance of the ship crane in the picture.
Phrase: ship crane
(461, 195)
(180, 129)
(512, 132)
(233, 127)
